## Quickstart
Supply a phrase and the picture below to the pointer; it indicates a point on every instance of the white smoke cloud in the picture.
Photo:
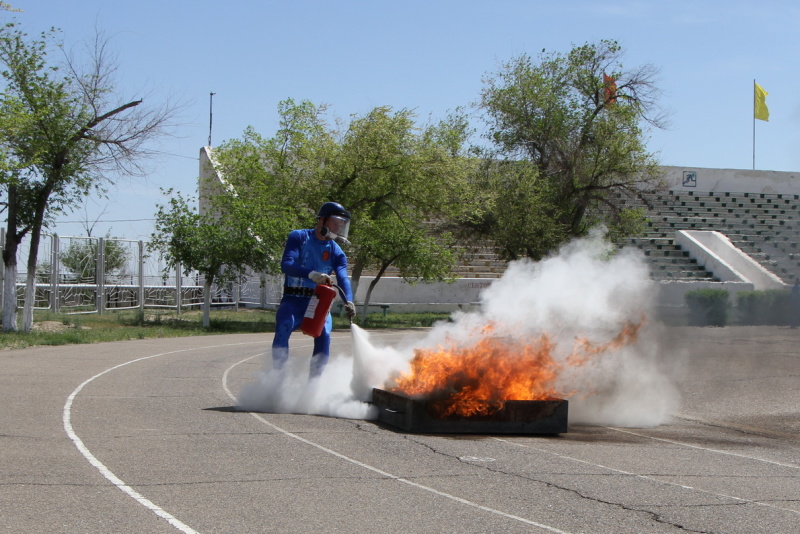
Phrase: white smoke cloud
(291, 391)
(582, 292)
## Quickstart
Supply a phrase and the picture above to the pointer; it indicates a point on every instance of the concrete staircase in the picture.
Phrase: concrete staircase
(482, 262)
(667, 260)
(765, 226)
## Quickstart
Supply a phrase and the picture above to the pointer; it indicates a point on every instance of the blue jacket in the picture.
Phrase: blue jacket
(305, 253)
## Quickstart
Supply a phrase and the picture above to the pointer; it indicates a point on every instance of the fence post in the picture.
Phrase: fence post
(55, 299)
(141, 275)
(178, 282)
(100, 276)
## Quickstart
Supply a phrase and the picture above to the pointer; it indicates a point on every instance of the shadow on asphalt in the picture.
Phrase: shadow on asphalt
(223, 409)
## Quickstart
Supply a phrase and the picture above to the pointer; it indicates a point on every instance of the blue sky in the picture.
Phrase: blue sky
(430, 56)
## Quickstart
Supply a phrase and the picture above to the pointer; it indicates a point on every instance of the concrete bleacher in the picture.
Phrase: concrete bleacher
(766, 226)
(763, 225)
(481, 262)
(667, 260)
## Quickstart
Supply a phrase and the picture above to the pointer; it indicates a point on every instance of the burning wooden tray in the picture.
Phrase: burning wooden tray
(516, 417)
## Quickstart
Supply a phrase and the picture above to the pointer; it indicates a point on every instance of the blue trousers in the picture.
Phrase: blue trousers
(287, 320)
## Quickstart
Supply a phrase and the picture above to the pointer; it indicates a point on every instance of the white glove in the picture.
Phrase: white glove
(350, 309)
(320, 278)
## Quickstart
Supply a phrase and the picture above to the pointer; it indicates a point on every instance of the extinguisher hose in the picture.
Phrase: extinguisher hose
(341, 293)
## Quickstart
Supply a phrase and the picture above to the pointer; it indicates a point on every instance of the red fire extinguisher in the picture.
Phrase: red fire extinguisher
(318, 308)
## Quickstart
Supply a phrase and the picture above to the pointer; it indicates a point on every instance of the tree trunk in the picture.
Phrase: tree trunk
(207, 301)
(30, 295)
(33, 255)
(369, 293)
(10, 295)
(355, 277)
(10, 247)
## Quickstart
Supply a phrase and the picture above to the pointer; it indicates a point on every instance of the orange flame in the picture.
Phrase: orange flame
(479, 379)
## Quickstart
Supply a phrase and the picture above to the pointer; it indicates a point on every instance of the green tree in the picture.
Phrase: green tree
(219, 248)
(80, 258)
(401, 181)
(63, 130)
(569, 137)
(270, 182)
(405, 184)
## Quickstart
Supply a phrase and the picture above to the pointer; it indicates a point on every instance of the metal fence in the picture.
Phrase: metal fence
(95, 274)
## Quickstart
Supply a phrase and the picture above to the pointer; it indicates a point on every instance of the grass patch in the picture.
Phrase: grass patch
(61, 329)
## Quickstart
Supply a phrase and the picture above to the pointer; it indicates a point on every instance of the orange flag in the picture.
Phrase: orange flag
(610, 88)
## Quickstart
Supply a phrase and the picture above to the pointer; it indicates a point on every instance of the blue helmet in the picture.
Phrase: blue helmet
(335, 222)
(330, 209)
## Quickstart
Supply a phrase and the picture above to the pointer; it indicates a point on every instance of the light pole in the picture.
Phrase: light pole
(210, 114)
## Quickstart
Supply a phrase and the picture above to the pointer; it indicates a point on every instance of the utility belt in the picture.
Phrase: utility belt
(298, 291)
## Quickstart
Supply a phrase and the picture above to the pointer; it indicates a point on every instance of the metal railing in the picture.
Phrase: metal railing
(78, 274)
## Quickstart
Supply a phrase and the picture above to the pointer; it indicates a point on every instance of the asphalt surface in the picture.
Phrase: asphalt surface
(143, 436)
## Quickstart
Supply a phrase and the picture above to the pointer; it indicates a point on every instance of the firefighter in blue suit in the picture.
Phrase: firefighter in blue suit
(309, 258)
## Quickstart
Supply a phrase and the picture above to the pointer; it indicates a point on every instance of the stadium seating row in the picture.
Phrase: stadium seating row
(765, 226)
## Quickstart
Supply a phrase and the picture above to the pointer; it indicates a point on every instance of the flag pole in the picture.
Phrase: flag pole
(210, 114)
(754, 124)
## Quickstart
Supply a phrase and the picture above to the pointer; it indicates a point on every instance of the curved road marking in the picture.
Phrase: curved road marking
(652, 478)
(116, 481)
(175, 522)
(105, 471)
(740, 428)
(381, 472)
(718, 451)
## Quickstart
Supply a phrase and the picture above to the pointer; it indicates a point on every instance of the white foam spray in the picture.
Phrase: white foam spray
(291, 391)
(582, 292)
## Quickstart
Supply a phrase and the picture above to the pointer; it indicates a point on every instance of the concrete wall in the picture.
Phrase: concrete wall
(731, 180)
(671, 300)
(463, 294)
(672, 293)
(210, 182)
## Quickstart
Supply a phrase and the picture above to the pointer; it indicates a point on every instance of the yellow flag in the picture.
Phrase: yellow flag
(760, 110)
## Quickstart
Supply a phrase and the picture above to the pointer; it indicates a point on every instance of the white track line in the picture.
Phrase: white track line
(716, 451)
(379, 471)
(116, 481)
(652, 478)
(105, 471)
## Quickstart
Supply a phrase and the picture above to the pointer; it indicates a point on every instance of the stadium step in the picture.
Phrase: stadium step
(760, 224)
